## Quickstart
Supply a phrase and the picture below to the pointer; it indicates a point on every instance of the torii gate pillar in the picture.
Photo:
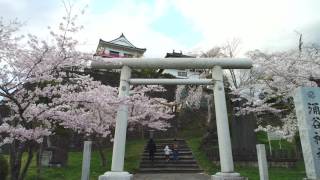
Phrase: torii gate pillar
(119, 142)
(225, 150)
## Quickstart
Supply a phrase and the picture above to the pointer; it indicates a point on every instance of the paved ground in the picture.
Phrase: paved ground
(171, 176)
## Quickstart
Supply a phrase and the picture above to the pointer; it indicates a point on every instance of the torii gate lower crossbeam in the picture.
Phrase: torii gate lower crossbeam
(225, 150)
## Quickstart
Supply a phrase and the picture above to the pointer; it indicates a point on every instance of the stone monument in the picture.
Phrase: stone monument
(46, 158)
(307, 105)
(243, 135)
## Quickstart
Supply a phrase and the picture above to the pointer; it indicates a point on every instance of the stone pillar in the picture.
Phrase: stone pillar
(120, 132)
(85, 175)
(225, 152)
(307, 105)
(262, 161)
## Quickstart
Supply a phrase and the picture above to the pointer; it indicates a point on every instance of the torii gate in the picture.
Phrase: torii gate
(216, 64)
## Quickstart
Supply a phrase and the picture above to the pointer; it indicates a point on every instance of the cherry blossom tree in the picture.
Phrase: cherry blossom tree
(189, 96)
(93, 112)
(41, 84)
(152, 112)
(229, 49)
(268, 87)
(34, 74)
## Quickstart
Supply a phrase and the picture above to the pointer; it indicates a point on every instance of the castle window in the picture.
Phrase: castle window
(182, 73)
(128, 55)
(114, 53)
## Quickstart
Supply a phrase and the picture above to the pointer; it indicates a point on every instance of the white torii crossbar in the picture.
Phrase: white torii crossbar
(216, 64)
(171, 63)
(172, 81)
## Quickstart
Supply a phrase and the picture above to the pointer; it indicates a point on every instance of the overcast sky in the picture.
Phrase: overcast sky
(187, 25)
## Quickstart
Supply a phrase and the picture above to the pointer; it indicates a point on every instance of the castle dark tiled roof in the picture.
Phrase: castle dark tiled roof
(177, 55)
(121, 42)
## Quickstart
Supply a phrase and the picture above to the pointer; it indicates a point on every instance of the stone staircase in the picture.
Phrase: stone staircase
(185, 164)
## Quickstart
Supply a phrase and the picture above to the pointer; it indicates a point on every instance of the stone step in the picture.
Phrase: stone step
(170, 140)
(160, 152)
(163, 158)
(161, 149)
(179, 147)
(181, 153)
(171, 176)
(185, 164)
(168, 164)
(162, 161)
(170, 170)
(170, 145)
(162, 155)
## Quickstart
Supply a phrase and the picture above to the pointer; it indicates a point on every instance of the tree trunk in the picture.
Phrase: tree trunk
(16, 150)
(102, 155)
(39, 158)
(210, 138)
(29, 159)
(175, 124)
(141, 131)
(209, 104)
(233, 77)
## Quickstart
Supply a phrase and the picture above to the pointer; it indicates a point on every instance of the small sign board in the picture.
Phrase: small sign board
(307, 105)
(274, 135)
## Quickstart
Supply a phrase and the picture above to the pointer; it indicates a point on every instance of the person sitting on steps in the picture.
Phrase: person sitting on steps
(151, 146)
(175, 151)
(167, 152)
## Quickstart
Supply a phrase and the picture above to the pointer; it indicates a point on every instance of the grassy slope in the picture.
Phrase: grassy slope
(73, 170)
(263, 139)
(252, 172)
(134, 148)
(194, 132)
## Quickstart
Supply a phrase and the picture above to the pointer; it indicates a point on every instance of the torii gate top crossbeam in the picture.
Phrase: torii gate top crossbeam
(171, 63)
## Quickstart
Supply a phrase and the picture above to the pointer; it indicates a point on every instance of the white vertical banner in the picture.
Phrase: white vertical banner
(307, 105)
